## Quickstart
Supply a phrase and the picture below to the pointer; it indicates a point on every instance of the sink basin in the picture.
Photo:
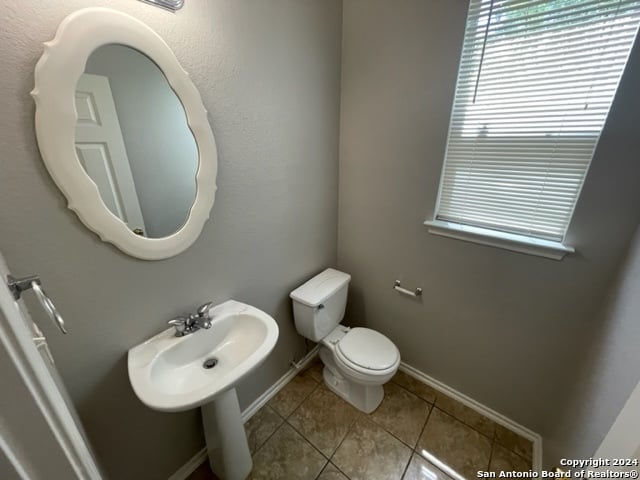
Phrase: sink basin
(167, 372)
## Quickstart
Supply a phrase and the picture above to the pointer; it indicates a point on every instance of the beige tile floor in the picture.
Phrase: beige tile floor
(306, 432)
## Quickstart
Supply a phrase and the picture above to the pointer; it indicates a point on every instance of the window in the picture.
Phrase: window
(536, 80)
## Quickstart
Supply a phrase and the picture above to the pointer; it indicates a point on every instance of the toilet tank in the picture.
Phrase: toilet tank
(319, 303)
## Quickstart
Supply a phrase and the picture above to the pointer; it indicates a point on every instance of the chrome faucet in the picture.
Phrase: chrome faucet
(186, 325)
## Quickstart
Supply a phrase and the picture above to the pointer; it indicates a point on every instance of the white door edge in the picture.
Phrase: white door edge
(7, 449)
(623, 439)
(17, 339)
(99, 137)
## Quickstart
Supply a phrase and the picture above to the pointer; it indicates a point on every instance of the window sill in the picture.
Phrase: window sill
(493, 238)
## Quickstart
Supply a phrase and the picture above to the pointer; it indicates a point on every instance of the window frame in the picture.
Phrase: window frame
(495, 237)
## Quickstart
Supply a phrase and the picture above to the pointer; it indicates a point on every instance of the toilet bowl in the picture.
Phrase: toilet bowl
(357, 361)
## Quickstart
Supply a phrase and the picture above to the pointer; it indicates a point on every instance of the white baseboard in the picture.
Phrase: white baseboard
(188, 468)
(259, 402)
(484, 410)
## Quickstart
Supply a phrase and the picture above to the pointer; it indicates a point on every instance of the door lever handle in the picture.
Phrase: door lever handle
(19, 285)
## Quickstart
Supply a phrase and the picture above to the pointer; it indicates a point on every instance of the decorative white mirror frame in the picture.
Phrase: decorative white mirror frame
(56, 75)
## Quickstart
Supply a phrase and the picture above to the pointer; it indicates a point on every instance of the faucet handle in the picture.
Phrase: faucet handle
(181, 320)
(180, 324)
(203, 310)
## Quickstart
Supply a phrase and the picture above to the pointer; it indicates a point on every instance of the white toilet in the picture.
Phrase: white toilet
(357, 361)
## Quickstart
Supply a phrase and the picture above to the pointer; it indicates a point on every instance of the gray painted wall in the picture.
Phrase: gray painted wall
(609, 370)
(269, 74)
(505, 328)
(161, 149)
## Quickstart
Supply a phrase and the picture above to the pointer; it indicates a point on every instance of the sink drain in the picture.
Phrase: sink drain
(210, 363)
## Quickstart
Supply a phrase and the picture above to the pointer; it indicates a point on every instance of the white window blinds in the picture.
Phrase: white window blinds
(536, 80)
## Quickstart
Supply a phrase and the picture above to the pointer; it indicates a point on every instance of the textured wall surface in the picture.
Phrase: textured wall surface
(608, 372)
(505, 328)
(160, 147)
(269, 74)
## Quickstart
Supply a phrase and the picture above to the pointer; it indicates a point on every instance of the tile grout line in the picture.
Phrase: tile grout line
(493, 444)
(424, 427)
(321, 470)
(338, 468)
(406, 467)
(301, 401)
(329, 462)
(484, 435)
(269, 437)
(370, 417)
(308, 441)
(394, 435)
(528, 460)
(286, 420)
(433, 407)
(491, 438)
(414, 393)
(355, 420)
(414, 449)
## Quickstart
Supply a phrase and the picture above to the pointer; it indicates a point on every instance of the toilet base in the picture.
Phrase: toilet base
(365, 398)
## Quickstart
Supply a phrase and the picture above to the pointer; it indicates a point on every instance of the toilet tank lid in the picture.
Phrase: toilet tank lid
(316, 290)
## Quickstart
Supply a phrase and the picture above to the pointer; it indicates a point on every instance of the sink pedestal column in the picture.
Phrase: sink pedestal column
(229, 455)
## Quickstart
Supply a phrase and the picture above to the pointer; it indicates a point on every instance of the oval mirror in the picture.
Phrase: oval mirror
(133, 140)
(124, 134)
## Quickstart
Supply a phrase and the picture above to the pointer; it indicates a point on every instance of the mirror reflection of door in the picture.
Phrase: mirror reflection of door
(133, 140)
(101, 150)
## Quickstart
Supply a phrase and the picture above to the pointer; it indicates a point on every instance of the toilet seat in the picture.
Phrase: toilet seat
(368, 352)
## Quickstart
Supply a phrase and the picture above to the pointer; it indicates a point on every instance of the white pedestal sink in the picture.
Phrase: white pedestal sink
(171, 374)
(229, 455)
